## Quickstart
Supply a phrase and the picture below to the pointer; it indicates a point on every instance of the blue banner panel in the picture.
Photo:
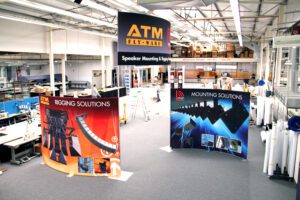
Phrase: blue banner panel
(210, 119)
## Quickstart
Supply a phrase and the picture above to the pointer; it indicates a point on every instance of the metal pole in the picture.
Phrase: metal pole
(118, 80)
(261, 60)
(51, 61)
(277, 74)
(267, 69)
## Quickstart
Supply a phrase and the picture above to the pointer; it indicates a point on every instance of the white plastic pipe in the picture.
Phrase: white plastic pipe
(279, 143)
(260, 110)
(284, 150)
(293, 136)
(268, 111)
(297, 161)
(271, 165)
(267, 151)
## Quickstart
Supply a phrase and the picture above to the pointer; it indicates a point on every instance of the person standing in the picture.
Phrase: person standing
(157, 89)
(95, 92)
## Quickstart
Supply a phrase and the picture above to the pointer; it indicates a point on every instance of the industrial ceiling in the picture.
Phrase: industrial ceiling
(192, 21)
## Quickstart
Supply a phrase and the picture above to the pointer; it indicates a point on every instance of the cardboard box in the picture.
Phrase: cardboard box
(230, 54)
(229, 47)
(214, 54)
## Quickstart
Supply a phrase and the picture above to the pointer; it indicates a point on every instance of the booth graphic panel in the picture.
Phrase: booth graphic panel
(143, 40)
(81, 136)
(210, 119)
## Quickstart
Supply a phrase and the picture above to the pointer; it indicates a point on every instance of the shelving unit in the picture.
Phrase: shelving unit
(79, 85)
(15, 90)
(191, 72)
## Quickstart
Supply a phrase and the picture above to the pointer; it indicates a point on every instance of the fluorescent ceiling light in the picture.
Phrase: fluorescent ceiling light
(167, 15)
(99, 7)
(50, 9)
(176, 35)
(133, 4)
(128, 4)
(179, 44)
(47, 24)
(237, 21)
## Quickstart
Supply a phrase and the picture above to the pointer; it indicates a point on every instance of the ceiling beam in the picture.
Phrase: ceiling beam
(221, 15)
(258, 13)
(255, 2)
(204, 15)
(226, 18)
(33, 20)
(202, 31)
(214, 10)
(270, 9)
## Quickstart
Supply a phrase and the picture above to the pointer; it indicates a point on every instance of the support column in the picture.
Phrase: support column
(281, 19)
(277, 74)
(169, 73)
(63, 73)
(103, 63)
(293, 76)
(51, 61)
(267, 69)
(147, 72)
(261, 61)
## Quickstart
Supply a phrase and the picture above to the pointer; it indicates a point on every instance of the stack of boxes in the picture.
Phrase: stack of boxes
(184, 52)
(222, 51)
(246, 53)
(214, 51)
(229, 50)
(190, 53)
(207, 51)
(197, 51)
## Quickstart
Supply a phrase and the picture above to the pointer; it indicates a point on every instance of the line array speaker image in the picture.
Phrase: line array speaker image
(93, 137)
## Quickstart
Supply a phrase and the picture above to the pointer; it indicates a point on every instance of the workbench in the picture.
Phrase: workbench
(24, 155)
(21, 137)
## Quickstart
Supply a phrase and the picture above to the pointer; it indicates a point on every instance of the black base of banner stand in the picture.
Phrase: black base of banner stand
(278, 175)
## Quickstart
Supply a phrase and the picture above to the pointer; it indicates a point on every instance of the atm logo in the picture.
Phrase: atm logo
(45, 101)
(143, 35)
(179, 95)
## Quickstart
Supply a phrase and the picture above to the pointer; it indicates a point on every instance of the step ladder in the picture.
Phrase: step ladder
(140, 103)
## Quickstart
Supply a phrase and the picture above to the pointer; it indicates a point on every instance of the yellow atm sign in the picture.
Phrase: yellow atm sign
(143, 35)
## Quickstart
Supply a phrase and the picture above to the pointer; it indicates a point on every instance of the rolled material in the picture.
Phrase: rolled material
(271, 165)
(296, 172)
(279, 143)
(263, 135)
(260, 110)
(268, 111)
(267, 151)
(293, 137)
(284, 150)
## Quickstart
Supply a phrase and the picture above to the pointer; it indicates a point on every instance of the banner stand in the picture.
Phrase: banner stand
(215, 120)
(72, 140)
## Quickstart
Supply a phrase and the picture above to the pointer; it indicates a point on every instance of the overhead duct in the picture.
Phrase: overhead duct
(165, 4)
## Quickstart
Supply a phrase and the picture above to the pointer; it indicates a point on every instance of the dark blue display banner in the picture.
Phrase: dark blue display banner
(210, 119)
(143, 40)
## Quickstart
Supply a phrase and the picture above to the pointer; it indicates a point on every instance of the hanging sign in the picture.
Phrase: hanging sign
(143, 40)
(81, 135)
